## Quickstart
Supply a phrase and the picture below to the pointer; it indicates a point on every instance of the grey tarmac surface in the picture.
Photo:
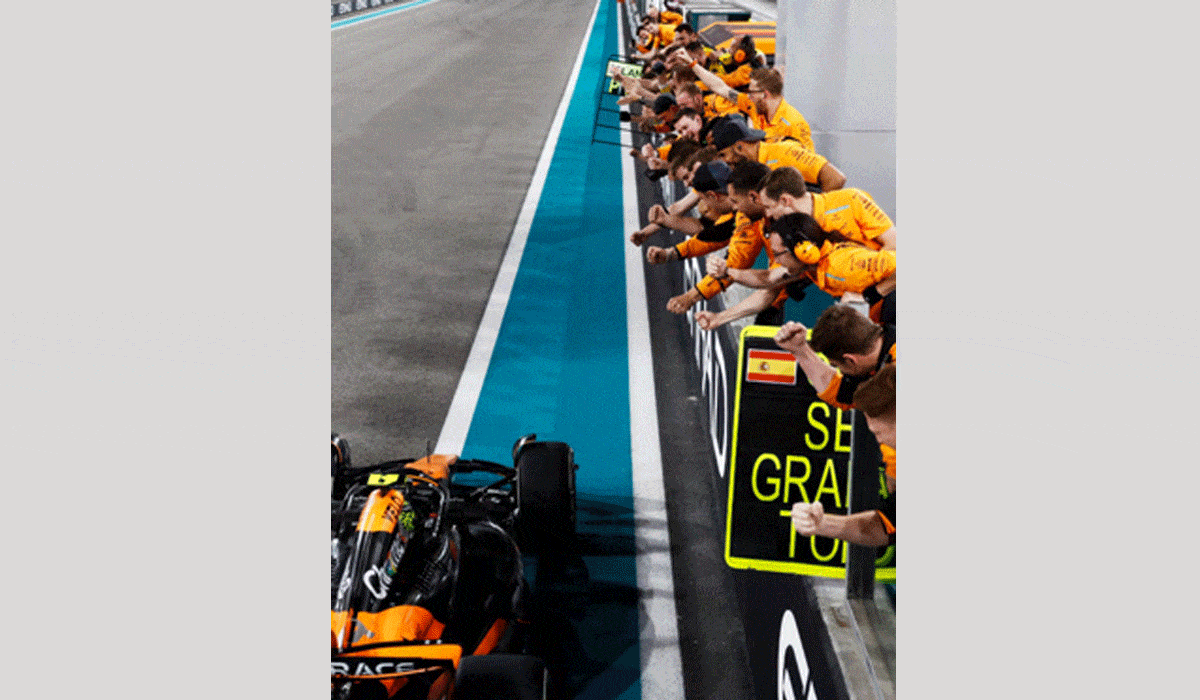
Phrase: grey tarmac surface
(439, 116)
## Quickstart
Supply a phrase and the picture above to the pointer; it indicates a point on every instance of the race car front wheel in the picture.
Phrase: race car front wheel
(500, 677)
(545, 496)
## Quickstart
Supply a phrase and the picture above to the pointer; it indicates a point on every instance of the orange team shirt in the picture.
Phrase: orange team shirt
(715, 236)
(744, 246)
(717, 106)
(835, 395)
(668, 17)
(785, 153)
(787, 123)
(849, 267)
(666, 33)
(852, 213)
(889, 460)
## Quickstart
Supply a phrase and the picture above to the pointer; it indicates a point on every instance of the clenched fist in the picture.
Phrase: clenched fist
(807, 517)
(792, 336)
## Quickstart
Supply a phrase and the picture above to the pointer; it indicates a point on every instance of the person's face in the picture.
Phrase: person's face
(690, 99)
(745, 202)
(718, 202)
(777, 208)
(851, 365)
(784, 255)
(732, 155)
(688, 127)
(884, 429)
(758, 96)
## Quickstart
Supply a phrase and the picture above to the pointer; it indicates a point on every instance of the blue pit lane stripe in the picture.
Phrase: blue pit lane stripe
(359, 19)
(559, 362)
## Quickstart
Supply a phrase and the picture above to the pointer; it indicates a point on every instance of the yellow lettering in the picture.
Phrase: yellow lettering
(824, 557)
(791, 533)
(382, 479)
(829, 476)
(824, 407)
(799, 482)
(887, 557)
(843, 427)
(774, 480)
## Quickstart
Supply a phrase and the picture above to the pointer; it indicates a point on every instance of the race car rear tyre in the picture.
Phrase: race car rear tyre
(500, 677)
(545, 496)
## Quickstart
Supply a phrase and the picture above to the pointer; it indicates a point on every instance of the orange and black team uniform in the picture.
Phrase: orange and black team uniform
(714, 236)
(840, 392)
(745, 244)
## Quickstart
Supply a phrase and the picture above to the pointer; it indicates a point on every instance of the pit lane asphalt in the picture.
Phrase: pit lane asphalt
(439, 115)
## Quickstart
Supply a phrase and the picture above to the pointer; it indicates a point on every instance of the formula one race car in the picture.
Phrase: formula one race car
(427, 582)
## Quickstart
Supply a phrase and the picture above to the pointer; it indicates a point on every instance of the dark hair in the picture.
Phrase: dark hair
(687, 158)
(768, 79)
(746, 175)
(797, 227)
(687, 112)
(679, 151)
(841, 330)
(783, 180)
(876, 397)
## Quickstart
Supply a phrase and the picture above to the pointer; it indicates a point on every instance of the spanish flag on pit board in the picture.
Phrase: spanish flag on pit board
(770, 367)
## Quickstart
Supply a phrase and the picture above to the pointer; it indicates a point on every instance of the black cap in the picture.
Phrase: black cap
(711, 177)
(731, 131)
(655, 68)
(663, 102)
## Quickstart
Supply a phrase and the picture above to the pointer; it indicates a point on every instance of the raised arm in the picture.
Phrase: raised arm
(714, 83)
(758, 300)
(793, 337)
(864, 528)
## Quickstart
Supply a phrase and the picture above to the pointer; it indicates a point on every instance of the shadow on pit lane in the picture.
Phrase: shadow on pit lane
(583, 608)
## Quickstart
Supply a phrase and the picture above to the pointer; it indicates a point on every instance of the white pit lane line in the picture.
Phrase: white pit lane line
(662, 668)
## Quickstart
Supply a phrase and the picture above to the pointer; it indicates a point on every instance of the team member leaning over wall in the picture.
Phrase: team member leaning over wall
(735, 141)
(848, 211)
(763, 101)
(708, 233)
(876, 398)
(684, 158)
(744, 246)
(803, 250)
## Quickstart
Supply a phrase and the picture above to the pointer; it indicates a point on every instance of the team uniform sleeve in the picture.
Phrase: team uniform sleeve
(695, 247)
(889, 460)
(744, 247)
(871, 218)
(840, 392)
(715, 236)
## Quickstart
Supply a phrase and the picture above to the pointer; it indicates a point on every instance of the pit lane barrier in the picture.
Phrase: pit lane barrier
(800, 629)
(339, 9)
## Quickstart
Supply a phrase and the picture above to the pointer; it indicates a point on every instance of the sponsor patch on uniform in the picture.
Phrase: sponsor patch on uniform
(770, 367)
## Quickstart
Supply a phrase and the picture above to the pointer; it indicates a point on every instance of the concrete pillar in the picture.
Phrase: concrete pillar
(839, 64)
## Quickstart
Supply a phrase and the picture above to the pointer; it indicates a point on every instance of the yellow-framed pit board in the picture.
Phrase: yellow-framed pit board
(787, 446)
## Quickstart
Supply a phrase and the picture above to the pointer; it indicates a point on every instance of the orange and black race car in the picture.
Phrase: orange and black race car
(427, 582)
